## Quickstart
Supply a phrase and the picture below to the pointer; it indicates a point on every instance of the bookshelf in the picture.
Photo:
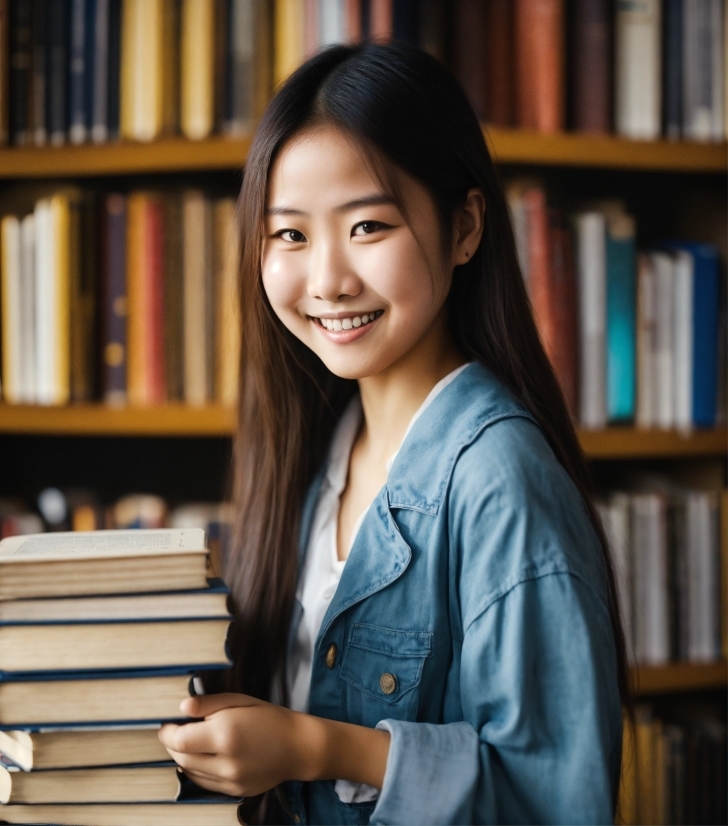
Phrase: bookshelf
(508, 146)
(679, 677)
(183, 420)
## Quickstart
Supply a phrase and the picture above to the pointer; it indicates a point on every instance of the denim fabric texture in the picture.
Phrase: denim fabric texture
(471, 622)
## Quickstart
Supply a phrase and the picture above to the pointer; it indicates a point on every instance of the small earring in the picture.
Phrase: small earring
(467, 255)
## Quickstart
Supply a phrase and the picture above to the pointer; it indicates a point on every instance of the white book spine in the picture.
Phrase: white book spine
(638, 69)
(44, 302)
(646, 414)
(99, 128)
(332, 22)
(519, 221)
(703, 628)
(656, 639)
(11, 309)
(664, 350)
(591, 269)
(683, 341)
(27, 308)
(618, 525)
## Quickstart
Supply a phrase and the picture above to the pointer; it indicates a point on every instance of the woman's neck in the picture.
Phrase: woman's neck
(391, 398)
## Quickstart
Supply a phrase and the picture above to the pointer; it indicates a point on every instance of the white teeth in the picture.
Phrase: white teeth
(338, 324)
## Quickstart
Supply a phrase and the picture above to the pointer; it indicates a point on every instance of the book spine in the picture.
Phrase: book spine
(673, 68)
(154, 249)
(540, 59)
(57, 68)
(311, 23)
(288, 38)
(77, 76)
(173, 304)
(40, 39)
(171, 69)
(381, 19)
(27, 308)
(100, 74)
(405, 20)
(664, 346)
(706, 298)
(10, 303)
(468, 58)
(240, 75)
(500, 62)
(638, 62)
(115, 300)
(563, 307)
(220, 40)
(683, 342)
(195, 351)
(332, 22)
(4, 72)
(621, 318)
(646, 412)
(113, 98)
(197, 62)
(137, 361)
(353, 20)
(61, 240)
(20, 70)
(591, 274)
(591, 63)
(432, 34)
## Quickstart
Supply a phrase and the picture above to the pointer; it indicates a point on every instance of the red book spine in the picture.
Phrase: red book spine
(540, 64)
(353, 20)
(534, 201)
(156, 372)
(380, 19)
(500, 63)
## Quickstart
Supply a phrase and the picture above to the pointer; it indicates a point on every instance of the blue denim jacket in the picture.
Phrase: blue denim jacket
(471, 622)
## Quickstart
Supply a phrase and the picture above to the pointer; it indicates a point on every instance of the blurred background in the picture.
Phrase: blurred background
(125, 126)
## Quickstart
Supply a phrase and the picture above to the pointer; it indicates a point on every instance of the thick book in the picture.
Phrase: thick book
(646, 345)
(38, 104)
(99, 562)
(121, 784)
(88, 645)
(500, 62)
(664, 271)
(128, 697)
(672, 68)
(592, 292)
(21, 55)
(100, 73)
(197, 56)
(239, 79)
(83, 747)
(173, 290)
(706, 311)
(113, 88)
(540, 57)
(212, 813)
(703, 73)
(114, 300)
(80, 69)
(57, 70)
(591, 64)
(142, 43)
(469, 56)
(10, 305)
(621, 317)
(638, 69)
(288, 38)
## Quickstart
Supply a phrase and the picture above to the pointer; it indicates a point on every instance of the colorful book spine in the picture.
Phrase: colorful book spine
(621, 318)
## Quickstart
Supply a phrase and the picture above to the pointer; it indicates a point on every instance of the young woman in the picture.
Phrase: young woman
(427, 624)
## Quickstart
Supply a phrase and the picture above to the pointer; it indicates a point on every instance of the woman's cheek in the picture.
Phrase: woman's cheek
(284, 286)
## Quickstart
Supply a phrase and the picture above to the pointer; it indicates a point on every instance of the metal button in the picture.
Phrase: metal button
(388, 683)
(331, 656)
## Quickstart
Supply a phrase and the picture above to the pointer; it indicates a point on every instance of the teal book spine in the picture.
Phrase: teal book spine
(621, 318)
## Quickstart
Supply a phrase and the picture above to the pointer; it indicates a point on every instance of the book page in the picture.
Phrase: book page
(100, 544)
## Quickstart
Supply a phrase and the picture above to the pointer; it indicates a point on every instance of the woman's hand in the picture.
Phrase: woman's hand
(244, 746)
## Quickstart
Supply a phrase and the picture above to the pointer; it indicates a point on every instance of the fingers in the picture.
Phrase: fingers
(215, 784)
(207, 704)
(190, 738)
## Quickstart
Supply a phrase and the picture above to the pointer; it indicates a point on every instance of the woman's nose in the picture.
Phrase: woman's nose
(331, 276)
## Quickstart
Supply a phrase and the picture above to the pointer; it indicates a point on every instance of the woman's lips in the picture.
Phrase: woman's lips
(345, 336)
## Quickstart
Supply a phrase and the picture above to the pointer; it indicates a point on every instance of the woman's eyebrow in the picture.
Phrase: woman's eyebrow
(375, 199)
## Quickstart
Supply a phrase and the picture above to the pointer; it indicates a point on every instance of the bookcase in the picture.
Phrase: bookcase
(181, 452)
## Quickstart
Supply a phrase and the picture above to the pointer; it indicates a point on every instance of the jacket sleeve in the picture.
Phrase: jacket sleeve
(538, 739)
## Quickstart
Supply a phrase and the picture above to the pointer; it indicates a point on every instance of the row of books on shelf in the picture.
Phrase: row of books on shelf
(128, 298)
(98, 70)
(103, 634)
(673, 768)
(670, 552)
(634, 337)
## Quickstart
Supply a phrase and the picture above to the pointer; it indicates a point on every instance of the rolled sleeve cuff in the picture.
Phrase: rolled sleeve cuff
(431, 774)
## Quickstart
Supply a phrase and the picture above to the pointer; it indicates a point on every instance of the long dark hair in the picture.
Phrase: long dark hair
(406, 109)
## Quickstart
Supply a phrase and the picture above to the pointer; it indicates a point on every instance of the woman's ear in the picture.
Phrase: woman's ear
(469, 224)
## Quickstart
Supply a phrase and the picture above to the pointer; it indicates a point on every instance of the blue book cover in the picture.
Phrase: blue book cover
(83, 13)
(621, 318)
(706, 311)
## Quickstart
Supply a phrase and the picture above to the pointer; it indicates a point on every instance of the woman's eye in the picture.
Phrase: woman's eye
(293, 236)
(367, 227)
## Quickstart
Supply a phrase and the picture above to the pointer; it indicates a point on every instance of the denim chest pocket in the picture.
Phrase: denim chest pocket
(382, 668)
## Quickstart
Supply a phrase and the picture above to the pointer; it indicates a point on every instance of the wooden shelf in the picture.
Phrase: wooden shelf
(679, 677)
(630, 443)
(509, 146)
(181, 420)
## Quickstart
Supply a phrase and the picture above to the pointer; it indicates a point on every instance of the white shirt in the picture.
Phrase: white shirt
(322, 567)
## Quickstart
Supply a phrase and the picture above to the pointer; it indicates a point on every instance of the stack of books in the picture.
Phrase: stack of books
(102, 635)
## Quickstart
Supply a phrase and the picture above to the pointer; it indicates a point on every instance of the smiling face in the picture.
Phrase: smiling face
(342, 268)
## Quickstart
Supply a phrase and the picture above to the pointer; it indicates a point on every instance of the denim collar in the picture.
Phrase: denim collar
(421, 471)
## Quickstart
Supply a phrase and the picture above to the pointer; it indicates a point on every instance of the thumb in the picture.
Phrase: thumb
(207, 704)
